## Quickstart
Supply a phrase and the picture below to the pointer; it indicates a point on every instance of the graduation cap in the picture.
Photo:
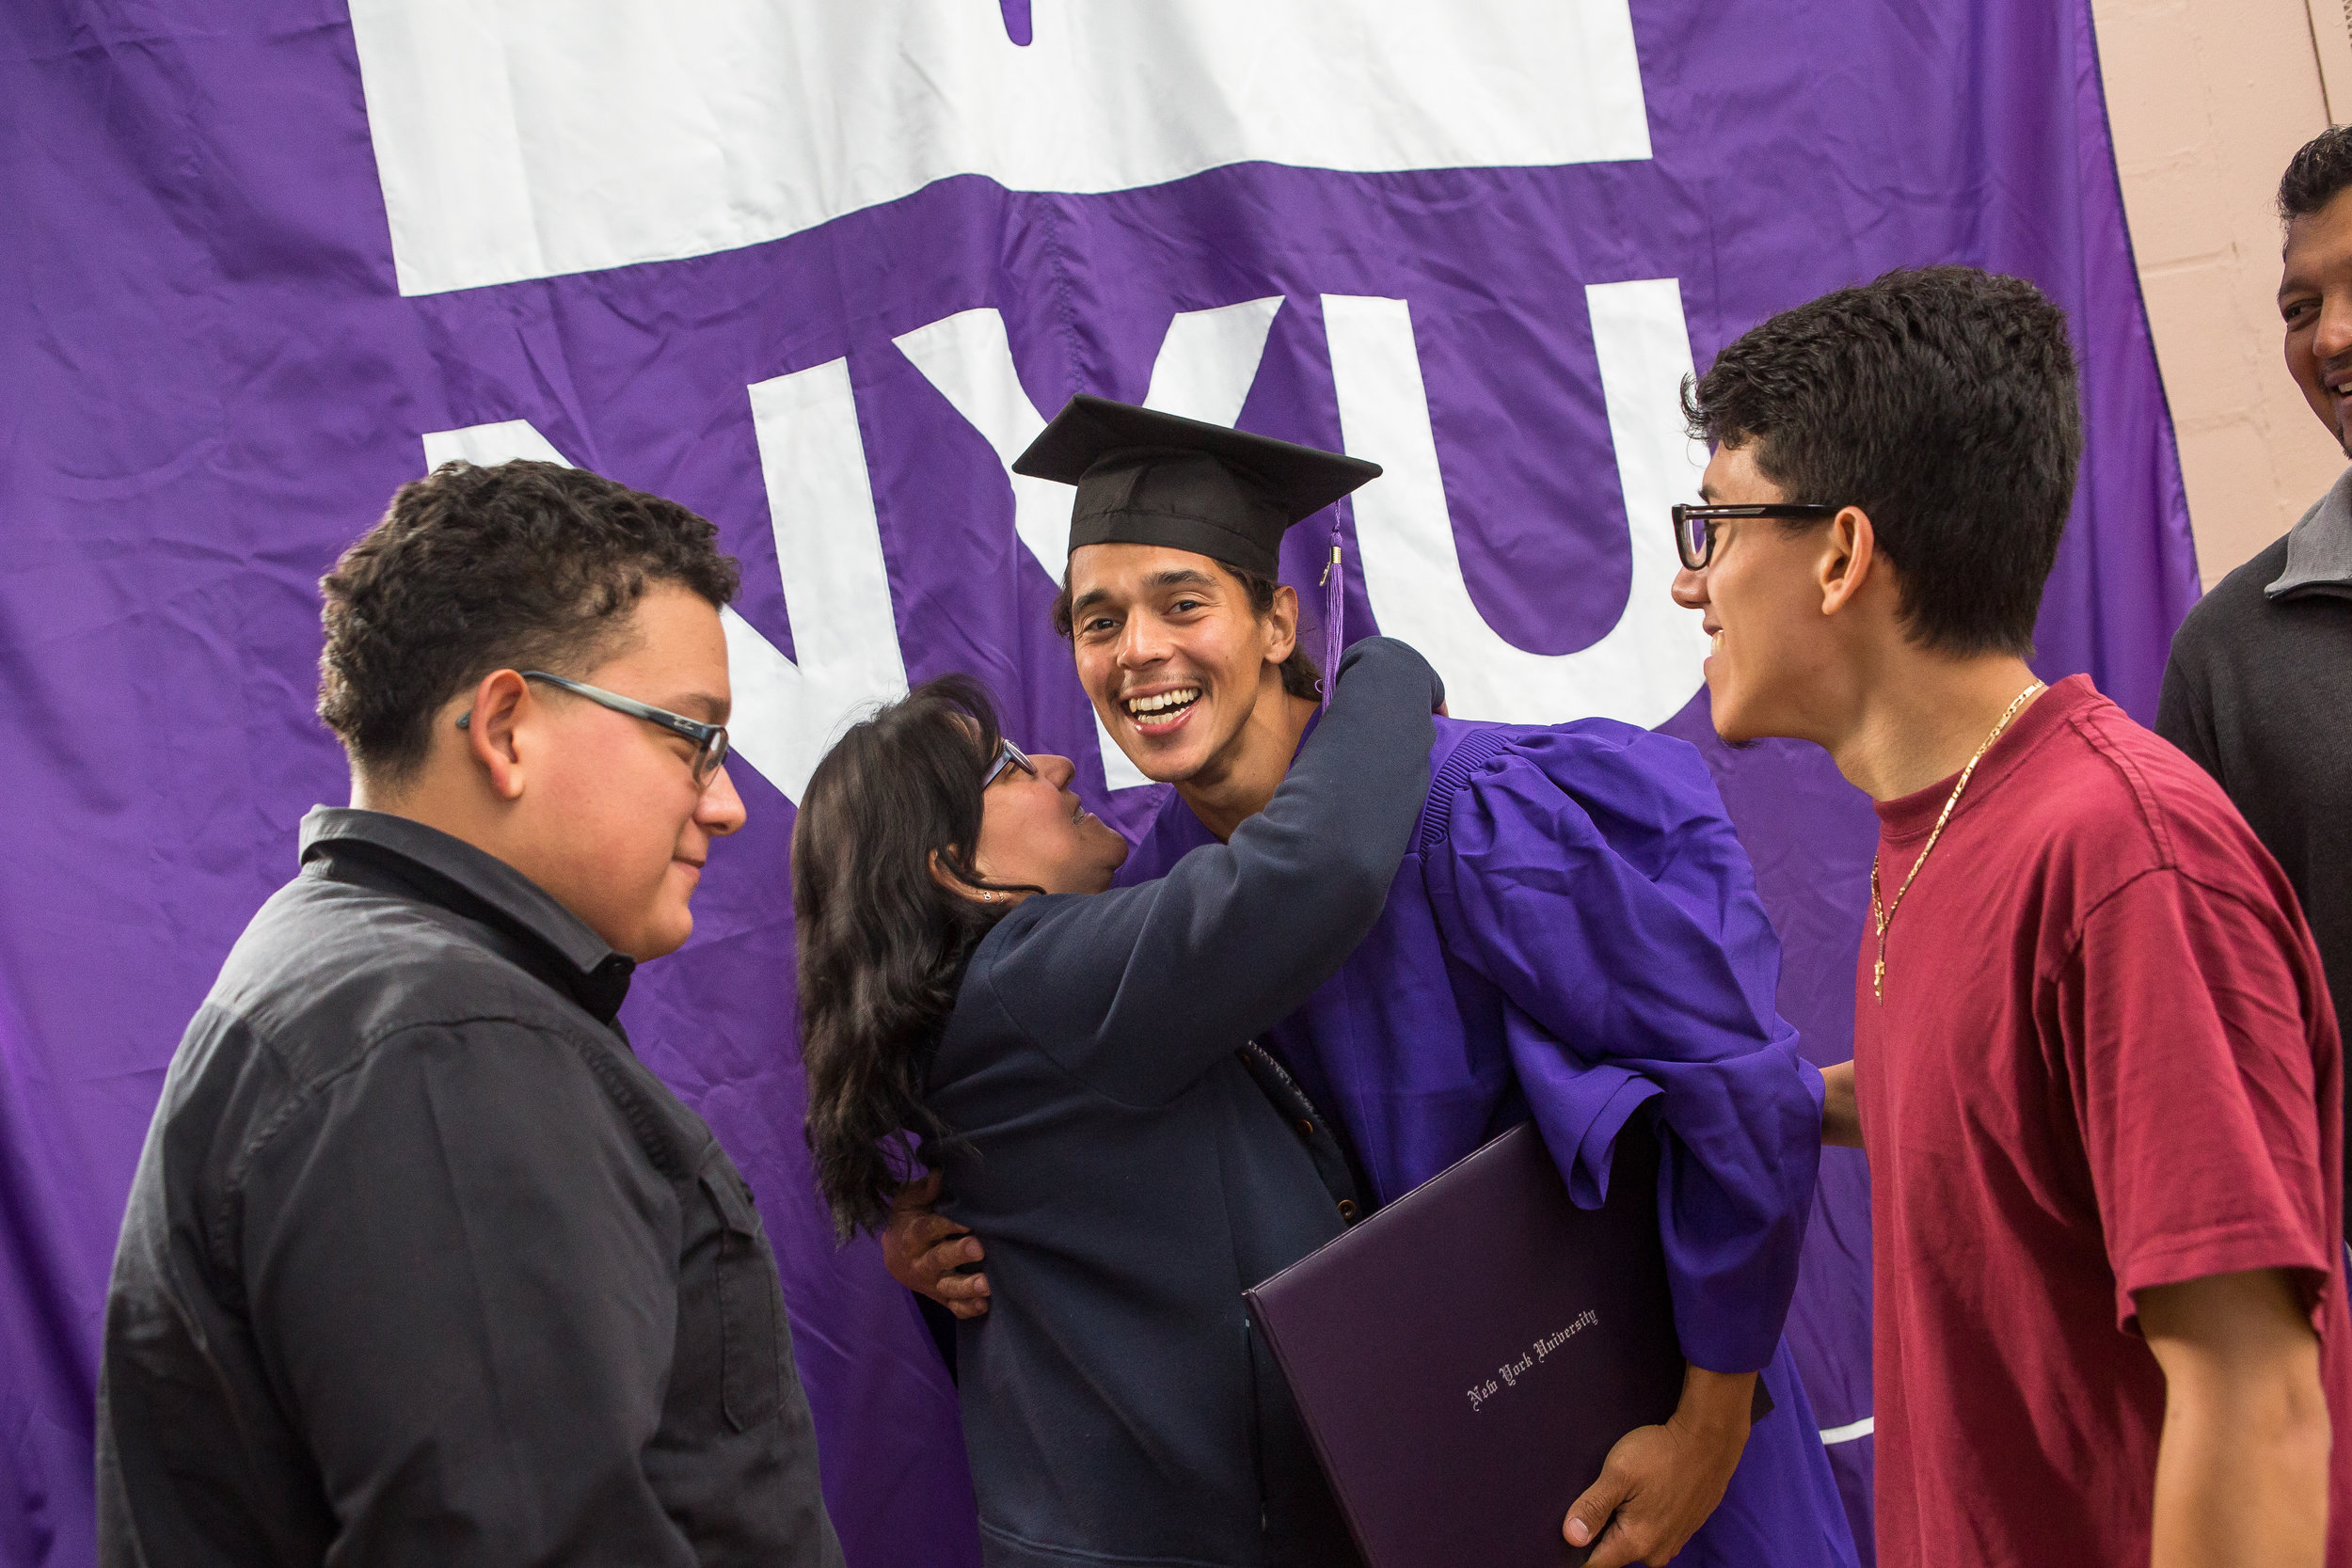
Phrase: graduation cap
(1148, 478)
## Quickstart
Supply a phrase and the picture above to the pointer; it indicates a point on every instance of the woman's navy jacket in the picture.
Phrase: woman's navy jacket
(1131, 1177)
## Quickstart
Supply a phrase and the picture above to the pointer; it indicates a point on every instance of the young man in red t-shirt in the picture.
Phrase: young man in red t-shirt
(2095, 1066)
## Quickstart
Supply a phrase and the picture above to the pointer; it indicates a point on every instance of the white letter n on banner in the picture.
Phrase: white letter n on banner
(837, 587)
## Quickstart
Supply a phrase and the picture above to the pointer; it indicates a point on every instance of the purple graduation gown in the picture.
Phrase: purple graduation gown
(1576, 936)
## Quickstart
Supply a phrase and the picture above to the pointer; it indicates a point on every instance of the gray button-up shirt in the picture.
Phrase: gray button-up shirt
(421, 1265)
(2259, 691)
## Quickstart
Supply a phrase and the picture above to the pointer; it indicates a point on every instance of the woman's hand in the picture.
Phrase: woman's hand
(922, 1249)
(1661, 1482)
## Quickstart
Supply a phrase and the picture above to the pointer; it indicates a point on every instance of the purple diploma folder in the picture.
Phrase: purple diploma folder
(1466, 1357)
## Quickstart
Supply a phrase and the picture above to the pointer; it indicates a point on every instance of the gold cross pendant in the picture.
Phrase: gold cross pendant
(1878, 979)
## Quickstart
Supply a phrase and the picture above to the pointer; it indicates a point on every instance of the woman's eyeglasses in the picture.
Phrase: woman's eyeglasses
(1009, 755)
(1694, 526)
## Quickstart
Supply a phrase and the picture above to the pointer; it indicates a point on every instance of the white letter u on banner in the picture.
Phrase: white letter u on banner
(1647, 666)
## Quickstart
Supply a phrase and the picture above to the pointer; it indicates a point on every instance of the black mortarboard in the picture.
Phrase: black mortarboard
(1148, 478)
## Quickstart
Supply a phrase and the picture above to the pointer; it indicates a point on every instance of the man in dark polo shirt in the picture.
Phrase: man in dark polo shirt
(2259, 687)
(421, 1265)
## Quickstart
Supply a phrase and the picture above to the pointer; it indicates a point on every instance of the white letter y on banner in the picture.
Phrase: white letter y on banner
(1203, 371)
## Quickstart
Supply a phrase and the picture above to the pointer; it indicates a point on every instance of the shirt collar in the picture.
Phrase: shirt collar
(457, 876)
(1913, 816)
(2319, 548)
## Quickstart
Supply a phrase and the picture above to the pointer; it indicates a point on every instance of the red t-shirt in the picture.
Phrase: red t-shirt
(2106, 1061)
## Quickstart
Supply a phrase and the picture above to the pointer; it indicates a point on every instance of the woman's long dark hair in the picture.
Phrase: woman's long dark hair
(883, 946)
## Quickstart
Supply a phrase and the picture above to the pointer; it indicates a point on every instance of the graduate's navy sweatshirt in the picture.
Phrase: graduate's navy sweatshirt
(1130, 1175)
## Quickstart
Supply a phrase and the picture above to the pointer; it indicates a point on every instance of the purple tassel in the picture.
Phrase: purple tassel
(1334, 609)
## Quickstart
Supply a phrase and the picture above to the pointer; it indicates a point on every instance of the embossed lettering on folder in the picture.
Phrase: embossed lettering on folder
(1467, 1356)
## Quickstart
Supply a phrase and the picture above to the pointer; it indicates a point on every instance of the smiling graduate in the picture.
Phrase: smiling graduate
(1575, 936)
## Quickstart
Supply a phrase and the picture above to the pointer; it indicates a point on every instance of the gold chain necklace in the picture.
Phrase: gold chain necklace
(1884, 918)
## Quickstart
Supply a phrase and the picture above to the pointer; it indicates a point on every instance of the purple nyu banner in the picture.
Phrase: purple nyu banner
(819, 271)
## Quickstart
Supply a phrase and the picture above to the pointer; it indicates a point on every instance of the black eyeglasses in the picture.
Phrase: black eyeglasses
(1694, 526)
(1008, 755)
(710, 740)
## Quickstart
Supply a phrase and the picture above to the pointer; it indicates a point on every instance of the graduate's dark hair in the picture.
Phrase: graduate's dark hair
(2321, 169)
(883, 943)
(523, 565)
(1942, 401)
(1303, 674)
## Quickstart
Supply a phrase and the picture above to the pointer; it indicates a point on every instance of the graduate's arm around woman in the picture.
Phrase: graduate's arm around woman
(1073, 1064)
(1229, 942)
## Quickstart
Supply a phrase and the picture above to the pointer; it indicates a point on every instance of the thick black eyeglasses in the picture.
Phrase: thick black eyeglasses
(1009, 755)
(710, 740)
(1694, 526)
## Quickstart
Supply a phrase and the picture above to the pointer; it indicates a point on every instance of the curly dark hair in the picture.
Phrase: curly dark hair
(1302, 672)
(1942, 401)
(2320, 168)
(882, 944)
(523, 565)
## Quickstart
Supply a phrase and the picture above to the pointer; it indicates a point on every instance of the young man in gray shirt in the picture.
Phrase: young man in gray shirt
(2259, 687)
(421, 1265)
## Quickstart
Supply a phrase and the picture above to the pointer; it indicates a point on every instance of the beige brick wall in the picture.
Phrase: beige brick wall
(2208, 99)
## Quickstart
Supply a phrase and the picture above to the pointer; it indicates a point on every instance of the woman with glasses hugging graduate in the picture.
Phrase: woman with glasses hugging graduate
(1080, 1064)
(1574, 938)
